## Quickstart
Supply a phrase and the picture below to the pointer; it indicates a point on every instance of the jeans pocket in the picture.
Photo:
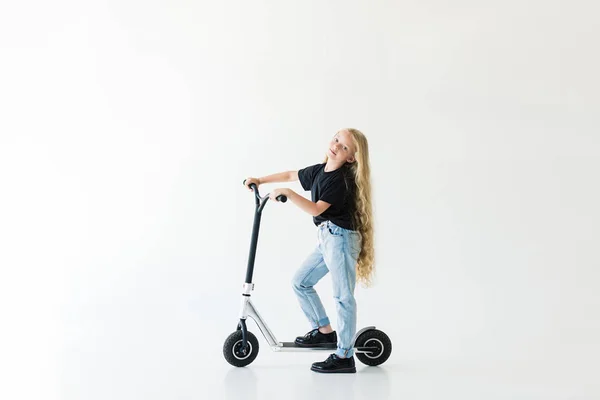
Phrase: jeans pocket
(355, 244)
(334, 233)
(335, 230)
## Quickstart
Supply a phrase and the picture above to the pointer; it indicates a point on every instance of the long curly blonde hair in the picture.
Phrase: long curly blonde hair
(363, 219)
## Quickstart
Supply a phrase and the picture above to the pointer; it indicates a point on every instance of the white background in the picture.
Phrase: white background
(127, 128)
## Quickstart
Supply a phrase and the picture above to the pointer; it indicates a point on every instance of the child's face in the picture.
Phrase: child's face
(341, 148)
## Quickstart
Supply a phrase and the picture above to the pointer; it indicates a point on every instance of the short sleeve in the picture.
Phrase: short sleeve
(306, 176)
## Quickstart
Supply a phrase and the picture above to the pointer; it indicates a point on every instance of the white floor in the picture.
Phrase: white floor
(290, 378)
(120, 361)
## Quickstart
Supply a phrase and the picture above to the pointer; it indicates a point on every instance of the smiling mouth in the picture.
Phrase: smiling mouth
(332, 152)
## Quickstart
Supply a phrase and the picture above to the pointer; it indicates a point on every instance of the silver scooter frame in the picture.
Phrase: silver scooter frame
(249, 310)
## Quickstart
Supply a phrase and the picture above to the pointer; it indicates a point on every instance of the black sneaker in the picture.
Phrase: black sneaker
(335, 364)
(315, 338)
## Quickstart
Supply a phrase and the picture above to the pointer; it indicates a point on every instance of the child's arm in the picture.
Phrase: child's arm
(287, 176)
(305, 204)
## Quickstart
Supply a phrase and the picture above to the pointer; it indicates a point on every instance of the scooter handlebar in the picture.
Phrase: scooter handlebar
(282, 198)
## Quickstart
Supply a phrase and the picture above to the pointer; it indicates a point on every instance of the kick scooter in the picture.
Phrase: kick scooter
(372, 346)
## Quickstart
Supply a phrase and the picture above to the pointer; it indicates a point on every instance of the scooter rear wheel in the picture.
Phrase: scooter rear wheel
(234, 352)
(378, 339)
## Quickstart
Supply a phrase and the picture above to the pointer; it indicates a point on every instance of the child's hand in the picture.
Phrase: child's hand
(250, 181)
(284, 191)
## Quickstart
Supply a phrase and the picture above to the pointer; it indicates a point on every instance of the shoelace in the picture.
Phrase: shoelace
(311, 333)
(331, 358)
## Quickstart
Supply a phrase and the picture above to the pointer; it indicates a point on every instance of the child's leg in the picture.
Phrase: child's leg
(311, 271)
(340, 251)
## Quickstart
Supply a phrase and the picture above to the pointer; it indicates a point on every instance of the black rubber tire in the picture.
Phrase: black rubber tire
(374, 338)
(232, 349)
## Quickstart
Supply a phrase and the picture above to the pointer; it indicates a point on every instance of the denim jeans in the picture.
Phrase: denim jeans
(336, 252)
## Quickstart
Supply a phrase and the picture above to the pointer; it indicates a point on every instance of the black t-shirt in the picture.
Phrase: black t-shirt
(337, 188)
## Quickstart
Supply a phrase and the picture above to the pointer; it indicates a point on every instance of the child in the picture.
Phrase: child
(341, 209)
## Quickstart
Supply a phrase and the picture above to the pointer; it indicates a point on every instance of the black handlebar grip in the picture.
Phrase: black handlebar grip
(251, 185)
(281, 198)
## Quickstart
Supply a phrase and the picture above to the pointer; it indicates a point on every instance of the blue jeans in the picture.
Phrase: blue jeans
(336, 252)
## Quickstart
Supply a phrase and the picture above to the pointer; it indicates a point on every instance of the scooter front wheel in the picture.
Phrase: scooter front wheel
(234, 351)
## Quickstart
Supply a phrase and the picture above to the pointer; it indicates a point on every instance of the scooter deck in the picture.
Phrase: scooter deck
(291, 346)
(324, 346)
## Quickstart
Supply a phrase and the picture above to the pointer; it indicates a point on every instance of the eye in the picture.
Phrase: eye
(345, 148)
(336, 139)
